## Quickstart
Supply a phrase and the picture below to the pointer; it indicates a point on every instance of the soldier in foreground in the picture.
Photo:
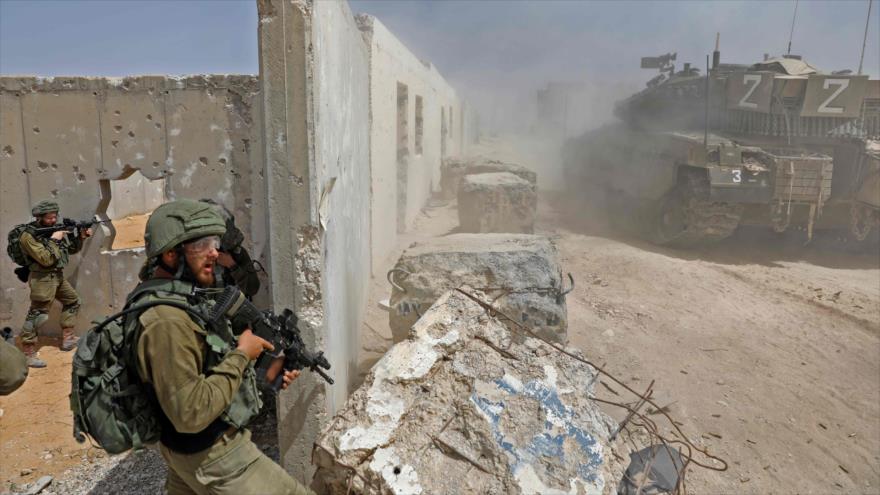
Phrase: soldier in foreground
(203, 379)
(48, 257)
(13, 364)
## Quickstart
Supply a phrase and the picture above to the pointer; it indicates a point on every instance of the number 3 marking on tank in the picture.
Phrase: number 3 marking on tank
(737, 176)
(841, 84)
(755, 79)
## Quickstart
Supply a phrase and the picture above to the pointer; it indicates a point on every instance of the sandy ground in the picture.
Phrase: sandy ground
(766, 351)
(130, 231)
(36, 427)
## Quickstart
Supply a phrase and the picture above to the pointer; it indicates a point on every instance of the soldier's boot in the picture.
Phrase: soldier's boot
(69, 340)
(30, 352)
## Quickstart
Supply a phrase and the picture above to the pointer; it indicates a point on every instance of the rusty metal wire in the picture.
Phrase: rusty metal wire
(634, 418)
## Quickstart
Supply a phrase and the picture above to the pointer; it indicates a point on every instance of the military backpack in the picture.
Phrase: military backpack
(13, 249)
(110, 403)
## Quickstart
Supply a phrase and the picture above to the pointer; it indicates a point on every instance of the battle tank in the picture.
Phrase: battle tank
(776, 144)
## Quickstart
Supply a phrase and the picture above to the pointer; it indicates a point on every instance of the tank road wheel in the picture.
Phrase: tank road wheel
(862, 220)
(688, 218)
(672, 219)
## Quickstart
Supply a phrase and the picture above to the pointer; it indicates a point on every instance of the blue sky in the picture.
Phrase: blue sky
(488, 49)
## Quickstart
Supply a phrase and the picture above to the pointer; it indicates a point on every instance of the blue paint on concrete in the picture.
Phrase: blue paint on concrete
(550, 442)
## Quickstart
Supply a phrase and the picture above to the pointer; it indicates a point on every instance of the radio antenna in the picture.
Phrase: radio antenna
(791, 33)
(865, 40)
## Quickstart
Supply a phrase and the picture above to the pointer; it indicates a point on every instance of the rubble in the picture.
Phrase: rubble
(463, 406)
(453, 169)
(496, 202)
(520, 272)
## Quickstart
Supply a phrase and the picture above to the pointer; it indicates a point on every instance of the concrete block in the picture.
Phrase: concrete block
(462, 406)
(521, 273)
(453, 169)
(496, 202)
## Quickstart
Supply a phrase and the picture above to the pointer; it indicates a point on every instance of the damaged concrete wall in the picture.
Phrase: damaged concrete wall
(465, 406)
(314, 72)
(405, 169)
(68, 139)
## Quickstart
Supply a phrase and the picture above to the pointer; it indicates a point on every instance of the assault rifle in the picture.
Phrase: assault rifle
(280, 330)
(72, 226)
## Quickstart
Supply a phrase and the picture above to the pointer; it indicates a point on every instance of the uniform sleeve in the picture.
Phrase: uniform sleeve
(244, 275)
(170, 358)
(45, 254)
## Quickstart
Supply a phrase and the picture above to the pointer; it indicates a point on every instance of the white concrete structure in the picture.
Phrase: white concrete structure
(314, 71)
(416, 119)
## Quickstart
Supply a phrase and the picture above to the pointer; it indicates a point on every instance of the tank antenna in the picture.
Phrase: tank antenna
(791, 33)
(865, 40)
(716, 55)
(706, 127)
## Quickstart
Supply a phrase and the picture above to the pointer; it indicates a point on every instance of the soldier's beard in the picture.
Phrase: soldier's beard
(201, 269)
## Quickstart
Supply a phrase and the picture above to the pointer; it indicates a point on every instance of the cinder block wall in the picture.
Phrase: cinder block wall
(69, 138)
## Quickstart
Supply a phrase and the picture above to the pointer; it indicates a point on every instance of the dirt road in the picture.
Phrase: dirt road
(767, 352)
(768, 355)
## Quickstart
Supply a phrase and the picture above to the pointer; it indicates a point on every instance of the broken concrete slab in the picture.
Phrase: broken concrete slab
(496, 202)
(464, 407)
(453, 169)
(520, 272)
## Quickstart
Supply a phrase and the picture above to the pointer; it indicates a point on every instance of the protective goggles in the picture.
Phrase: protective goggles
(202, 244)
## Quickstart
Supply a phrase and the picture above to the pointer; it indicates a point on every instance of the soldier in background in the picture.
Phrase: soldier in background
(49, 256)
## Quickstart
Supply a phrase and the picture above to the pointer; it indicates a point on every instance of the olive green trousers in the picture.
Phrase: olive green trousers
(45, 288)
(233, 465)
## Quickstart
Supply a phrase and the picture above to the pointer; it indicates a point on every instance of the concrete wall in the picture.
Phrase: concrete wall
(65, 138)
(392, 64)
(314, 72)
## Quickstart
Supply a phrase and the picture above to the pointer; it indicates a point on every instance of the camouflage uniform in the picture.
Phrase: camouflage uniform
(13, 368)
(47, 283)
(205, 387)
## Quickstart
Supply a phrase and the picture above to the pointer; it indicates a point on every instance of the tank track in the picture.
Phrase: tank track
(705, 221)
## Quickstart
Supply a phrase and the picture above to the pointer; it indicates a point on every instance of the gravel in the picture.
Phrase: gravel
(144, 471)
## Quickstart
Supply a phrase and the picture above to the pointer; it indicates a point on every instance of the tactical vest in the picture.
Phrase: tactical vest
(219, 341)
(64, 248)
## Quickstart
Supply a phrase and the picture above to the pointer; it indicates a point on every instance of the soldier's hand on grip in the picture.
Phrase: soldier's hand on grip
(252, 345)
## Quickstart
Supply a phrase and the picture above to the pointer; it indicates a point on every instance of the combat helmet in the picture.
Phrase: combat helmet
(45, 206)
(180, 221)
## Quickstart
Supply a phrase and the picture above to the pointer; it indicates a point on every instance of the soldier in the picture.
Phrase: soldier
(203, 378)
(13, 364)
(237, 266)
(48, 258)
